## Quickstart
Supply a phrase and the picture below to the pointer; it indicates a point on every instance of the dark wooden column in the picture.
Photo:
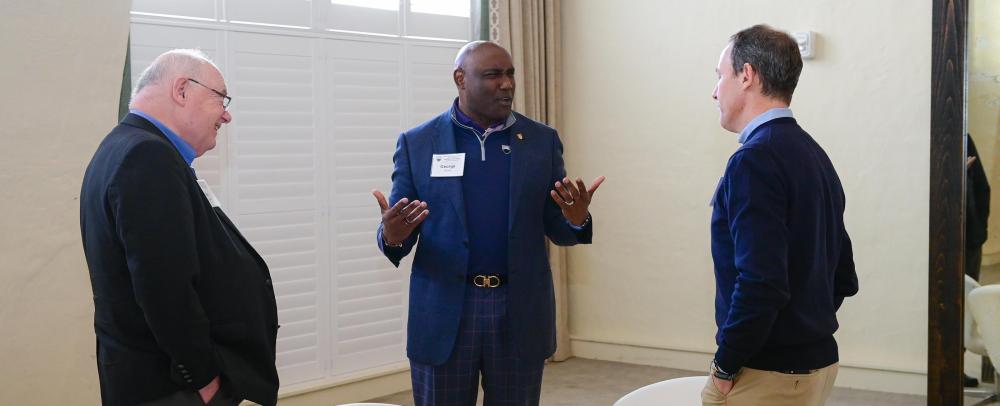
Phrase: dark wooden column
(947, 204)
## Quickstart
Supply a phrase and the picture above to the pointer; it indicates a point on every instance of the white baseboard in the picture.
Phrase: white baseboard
(849, 376)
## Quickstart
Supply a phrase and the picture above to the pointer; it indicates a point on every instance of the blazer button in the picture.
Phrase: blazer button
(180, 366)
(267, 282)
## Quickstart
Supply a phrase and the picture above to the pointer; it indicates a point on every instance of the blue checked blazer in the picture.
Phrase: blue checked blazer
(439, 276)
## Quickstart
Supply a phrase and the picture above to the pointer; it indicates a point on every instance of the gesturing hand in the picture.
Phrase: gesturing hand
(574, 200)
(401, 219)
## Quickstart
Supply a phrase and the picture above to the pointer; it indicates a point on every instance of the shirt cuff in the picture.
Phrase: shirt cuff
(728, 361)
(581, 227)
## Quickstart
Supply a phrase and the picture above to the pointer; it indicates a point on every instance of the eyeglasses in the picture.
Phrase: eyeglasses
(225, 99)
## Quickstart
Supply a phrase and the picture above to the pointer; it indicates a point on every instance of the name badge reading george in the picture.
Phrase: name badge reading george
(447, 165)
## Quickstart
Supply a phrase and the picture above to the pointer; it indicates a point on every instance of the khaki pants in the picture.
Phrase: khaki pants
(754, 387)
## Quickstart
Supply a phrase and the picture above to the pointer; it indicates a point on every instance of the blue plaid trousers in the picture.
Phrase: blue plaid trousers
(483, 347)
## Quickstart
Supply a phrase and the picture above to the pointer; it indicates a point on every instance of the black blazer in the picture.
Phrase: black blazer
(179, 295)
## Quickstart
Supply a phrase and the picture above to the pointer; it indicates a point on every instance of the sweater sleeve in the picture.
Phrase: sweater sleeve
(756, 205)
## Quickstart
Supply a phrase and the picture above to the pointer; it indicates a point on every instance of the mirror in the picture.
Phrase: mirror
(982, 231)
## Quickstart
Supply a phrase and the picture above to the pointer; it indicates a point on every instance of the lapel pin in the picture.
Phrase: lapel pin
(520, 136)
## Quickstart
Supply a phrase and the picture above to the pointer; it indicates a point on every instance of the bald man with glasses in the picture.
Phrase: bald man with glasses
(184, 308)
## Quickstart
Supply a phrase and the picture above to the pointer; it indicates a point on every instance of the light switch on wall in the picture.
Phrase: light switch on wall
(807, 43)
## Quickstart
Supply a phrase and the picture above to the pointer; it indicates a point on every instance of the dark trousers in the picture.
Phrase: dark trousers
(973, 261)
(224, 397)
(482, 347)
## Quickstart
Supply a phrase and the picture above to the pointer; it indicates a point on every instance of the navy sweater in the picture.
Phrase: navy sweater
(486, 190)
(783, 259)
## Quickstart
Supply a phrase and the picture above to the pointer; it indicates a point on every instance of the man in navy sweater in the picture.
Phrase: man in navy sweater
(481, 187)
(783, 259)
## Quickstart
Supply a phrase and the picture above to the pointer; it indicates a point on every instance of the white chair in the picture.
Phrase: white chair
(984, 304)
(673, 392)
(973, 341)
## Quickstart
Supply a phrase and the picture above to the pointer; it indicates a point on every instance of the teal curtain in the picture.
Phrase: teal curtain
(484, 20)
(126, 91)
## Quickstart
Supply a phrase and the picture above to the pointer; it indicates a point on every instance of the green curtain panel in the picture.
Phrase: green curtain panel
(484, 20)
(126, 91)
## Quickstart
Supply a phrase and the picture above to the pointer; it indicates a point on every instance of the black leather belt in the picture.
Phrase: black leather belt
(486, 281)
(797, 371)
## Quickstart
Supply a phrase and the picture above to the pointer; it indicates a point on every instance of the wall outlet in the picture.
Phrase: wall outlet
(807, 43)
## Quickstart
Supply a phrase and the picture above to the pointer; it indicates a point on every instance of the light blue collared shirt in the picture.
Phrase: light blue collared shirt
(780, 112)
(187, 152)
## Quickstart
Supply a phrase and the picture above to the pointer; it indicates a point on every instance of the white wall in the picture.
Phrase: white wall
(61, 75)
(637, 107)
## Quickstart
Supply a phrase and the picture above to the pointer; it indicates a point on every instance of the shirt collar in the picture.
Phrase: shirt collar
(185, 149)
(459, 117)
(779, 112)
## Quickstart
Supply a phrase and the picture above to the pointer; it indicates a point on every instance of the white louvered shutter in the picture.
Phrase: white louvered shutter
(365, 118)
(275, 173)
(431, 89)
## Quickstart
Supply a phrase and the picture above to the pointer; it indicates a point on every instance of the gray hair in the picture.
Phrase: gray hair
(184, 61)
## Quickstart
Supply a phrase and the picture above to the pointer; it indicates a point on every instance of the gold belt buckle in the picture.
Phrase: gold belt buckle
(486, 281)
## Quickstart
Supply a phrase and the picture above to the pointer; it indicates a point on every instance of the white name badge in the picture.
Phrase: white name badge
(208, 194)
(447, 165)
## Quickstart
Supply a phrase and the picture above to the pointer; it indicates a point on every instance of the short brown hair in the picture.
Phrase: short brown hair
(773, 54)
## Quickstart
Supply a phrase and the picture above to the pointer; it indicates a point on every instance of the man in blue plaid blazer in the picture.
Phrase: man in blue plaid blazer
(477, 190)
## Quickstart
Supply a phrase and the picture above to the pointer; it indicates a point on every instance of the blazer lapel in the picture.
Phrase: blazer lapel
(520, 160)
(449, 187)
(235, 230)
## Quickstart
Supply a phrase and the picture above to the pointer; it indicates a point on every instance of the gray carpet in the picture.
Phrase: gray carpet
(583, 382)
